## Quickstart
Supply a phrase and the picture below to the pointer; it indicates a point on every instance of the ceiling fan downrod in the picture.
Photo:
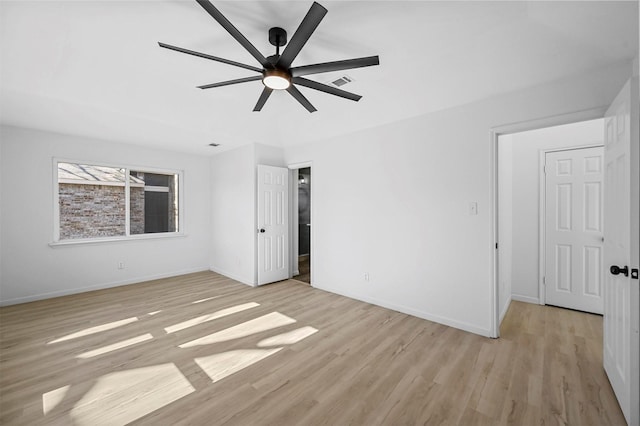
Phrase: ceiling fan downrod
(278, 38)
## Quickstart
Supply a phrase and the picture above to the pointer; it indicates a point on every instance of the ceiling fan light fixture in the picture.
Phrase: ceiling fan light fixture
(276, 79)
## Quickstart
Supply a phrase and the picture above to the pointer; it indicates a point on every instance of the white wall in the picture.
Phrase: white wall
(233, 206)
(233, 214)
(31, 269)
(393, 202)
(505, 223)
(1, 209)
(268, 155)
(526, 148)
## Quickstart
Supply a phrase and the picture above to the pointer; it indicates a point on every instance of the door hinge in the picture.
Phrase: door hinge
(634, 273)
(544, 280)
(544, 169)
(496, 246)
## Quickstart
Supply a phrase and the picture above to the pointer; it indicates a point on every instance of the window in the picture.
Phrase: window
(102, 201)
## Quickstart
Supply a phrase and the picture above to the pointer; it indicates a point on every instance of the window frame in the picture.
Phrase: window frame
(127, 236)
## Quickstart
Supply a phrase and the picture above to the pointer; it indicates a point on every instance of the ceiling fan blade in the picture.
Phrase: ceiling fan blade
(218, 16)
(300, 98)
(228, 82)
(335, 66)
(213, 58)
(263, 98)
(302, 34)
(325, 88)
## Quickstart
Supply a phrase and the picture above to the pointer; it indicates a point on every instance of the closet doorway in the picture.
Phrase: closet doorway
(301, 212)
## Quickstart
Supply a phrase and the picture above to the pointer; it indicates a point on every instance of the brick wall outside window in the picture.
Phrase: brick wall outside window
(92, 211)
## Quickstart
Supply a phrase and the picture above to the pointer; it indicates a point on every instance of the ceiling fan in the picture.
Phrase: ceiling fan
(276, 72)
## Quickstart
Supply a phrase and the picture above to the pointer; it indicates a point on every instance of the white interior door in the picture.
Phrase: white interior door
(573, 229)
(621, 300)
(273, 224)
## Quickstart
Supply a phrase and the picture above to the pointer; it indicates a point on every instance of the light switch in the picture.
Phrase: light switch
(473, 208)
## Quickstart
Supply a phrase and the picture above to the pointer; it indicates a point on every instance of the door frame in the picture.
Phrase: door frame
(293, 214)
(494, 133)
(542, 210)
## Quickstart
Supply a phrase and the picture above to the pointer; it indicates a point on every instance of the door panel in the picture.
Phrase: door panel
(621, 300)
(273, 226)
(593, 271)
(573, 229)
(593, 206)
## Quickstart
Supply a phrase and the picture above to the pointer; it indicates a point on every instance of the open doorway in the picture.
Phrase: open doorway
(304, 225)
(301, 231)
(530, 263)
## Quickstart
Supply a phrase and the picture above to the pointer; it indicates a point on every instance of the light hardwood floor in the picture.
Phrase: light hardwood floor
(203, 349)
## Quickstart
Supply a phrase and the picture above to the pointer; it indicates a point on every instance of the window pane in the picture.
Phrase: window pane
(154, 202)
(91, 201)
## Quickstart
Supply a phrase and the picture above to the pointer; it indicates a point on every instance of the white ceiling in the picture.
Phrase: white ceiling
(95, 69)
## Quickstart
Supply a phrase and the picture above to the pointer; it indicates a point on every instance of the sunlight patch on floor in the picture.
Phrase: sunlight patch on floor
(288, 338)
(94, 330)
(224, 364)
(209, 317)
(115, 346)
(257, 325)
(124, 396)
(50, 400)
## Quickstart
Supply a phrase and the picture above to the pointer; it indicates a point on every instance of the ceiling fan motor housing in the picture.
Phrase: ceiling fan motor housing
(277, 36)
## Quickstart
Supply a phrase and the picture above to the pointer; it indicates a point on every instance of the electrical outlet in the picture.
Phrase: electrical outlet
(366, 276)
(120, 265)
(473, 208)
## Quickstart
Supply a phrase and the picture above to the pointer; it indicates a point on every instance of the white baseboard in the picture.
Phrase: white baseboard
(505, 309)
(66, 292)
(235, 277)
(471, 328)
(526, 299)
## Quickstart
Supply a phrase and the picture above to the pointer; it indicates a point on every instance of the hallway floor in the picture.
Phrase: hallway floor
(304, 267)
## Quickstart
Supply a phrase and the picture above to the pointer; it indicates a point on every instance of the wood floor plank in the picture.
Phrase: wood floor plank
(289, 354)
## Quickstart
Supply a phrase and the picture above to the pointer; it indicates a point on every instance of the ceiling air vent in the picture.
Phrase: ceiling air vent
(342, 81)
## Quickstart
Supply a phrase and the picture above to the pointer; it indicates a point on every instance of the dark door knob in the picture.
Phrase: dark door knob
(616, 270)
(262, 230)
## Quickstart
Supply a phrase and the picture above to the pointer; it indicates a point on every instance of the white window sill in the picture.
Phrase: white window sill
(86, 241)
